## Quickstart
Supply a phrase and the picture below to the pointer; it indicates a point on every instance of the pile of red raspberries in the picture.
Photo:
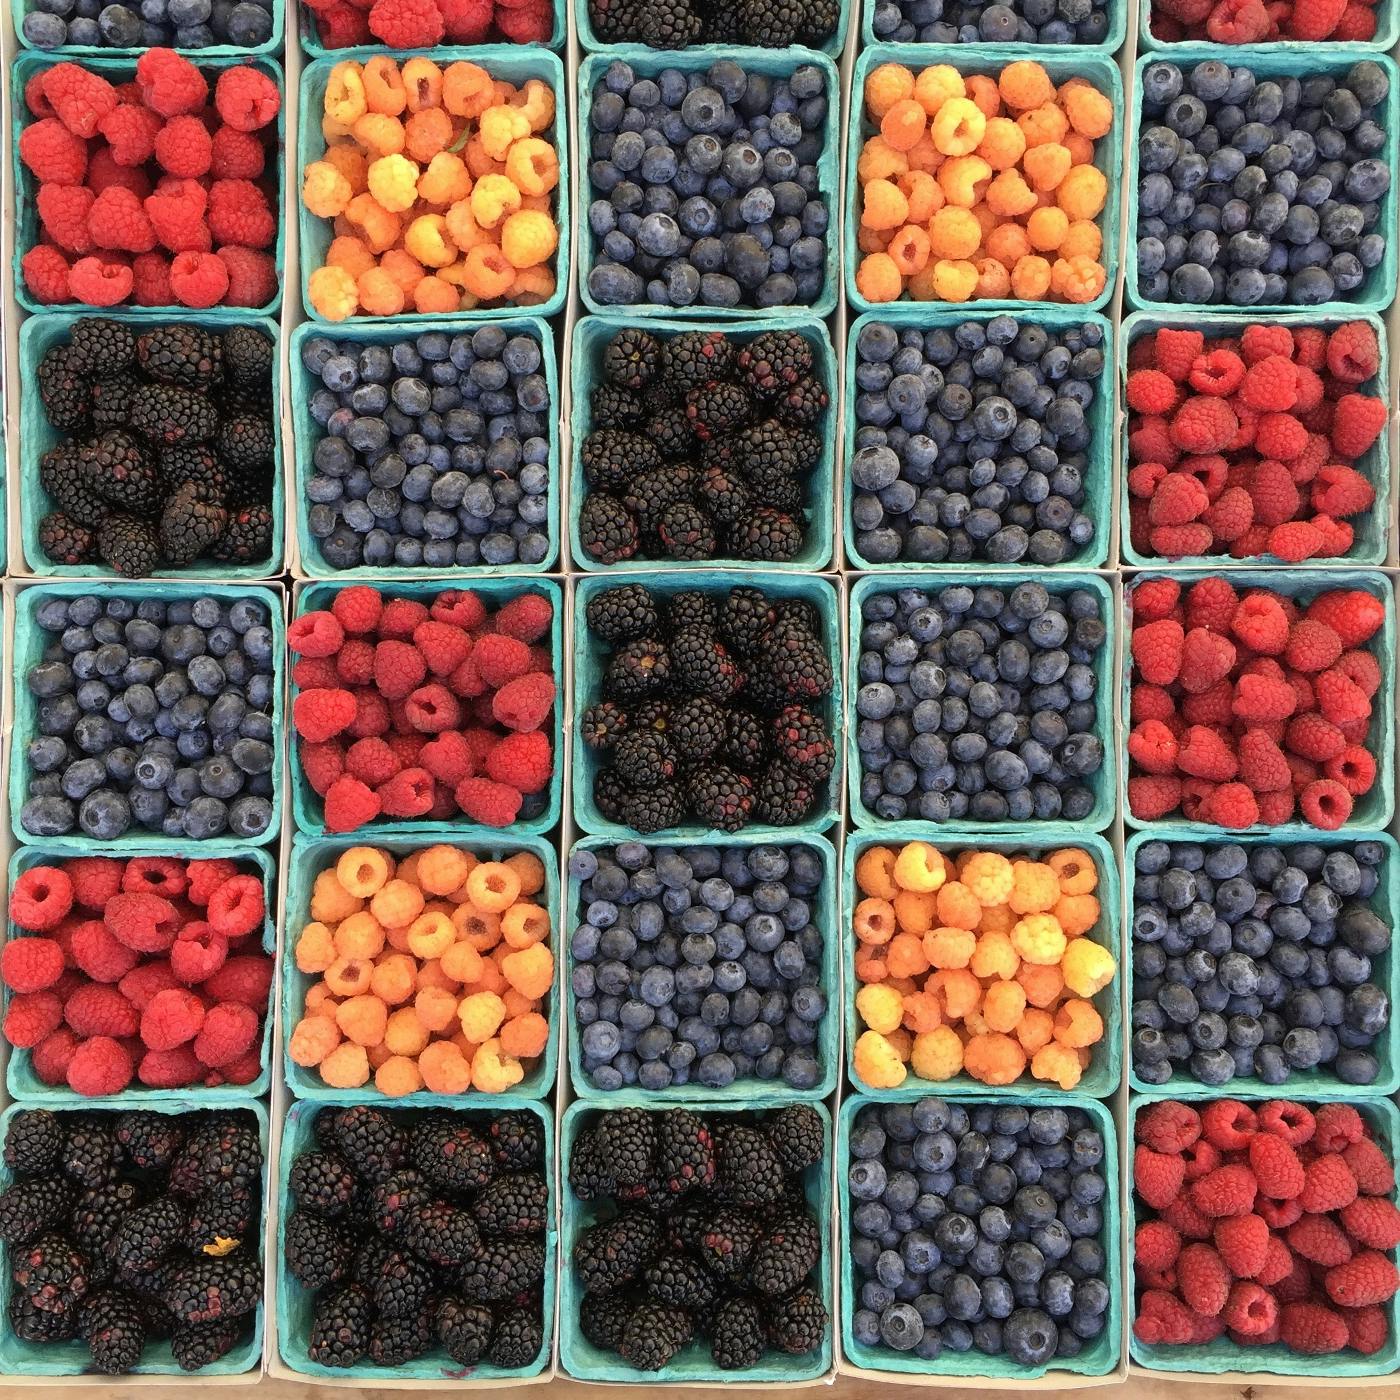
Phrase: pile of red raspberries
(1247, 446)
(1248, 706)
(412, 710)
(157, 192)
(150, 968)
(1264, 21)
(1265, 1224)
(422, 24)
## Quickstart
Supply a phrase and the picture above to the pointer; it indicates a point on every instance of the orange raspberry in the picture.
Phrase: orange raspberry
(1046, 228)
(1075, 870)
(875, 872)
(1082, 193)
(994, 956)
(1003, 143)
(885, 206)
(1009, 195)
(958, 906)
(880, 161)
(1078, 1024)
(994, 1058)
(878, 278)
(1043, 124)
(937, 1054)
(313, 1038)
(961, 178)
(1076, 913)
(916, 911)
(954, 233)
(936, 85)
(1034, 888)
(1008, 243)
(1046, 165)
(990, 877)
(886, 85)
(903, 124)
(993, 280)
(1043, 983)
(444, 1068)
(467, 89)
(489, 274)
(983, 91)
(1003, 1004)
(1082, 279)
(1030, 278)
(422, 84)
(426, 133)
(1090, 113)
(949, 948)
(383, 87)
(1036, 1029)
(959, 991)
(1025, 85)
(346, 1067)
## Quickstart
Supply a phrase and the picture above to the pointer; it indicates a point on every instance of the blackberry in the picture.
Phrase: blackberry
(464, 1329)
(34, 1324)
(622, 614)
(149, 1141)
(798, 1324)
(745, 619)
(610, 795)
(653, 493)
(786, 1255)
(393, 1199)
(403, 1285)
(668, 24)
(697, 729)
(695, 358)
(724, 494)
(653, 715)
(797, 1135)
(654, 1335)
(797, 661)
(602, 1318)
(95, 1216)
(146, 1235)
(685, 1151)
(654, 809)
(745, 740)
(128, 545)
(671, 434)
(776, 487)
(113, 1325)
(248, 359)
(773, 360)
(750, 1173)
(686, 532)
(680, 1282)
(317, 1253)
(29, 1208)
(716, 409)
(181, 354)
(801, 404)
(644, 759)
(340, 1327)
(701, 665)
(64, 479)
(637, 669)
(775, 23)
(194, 462)
(100, 347)
(614, 19)
(33, 1141)
(590, 1173)
(722, 22)
(452, 1155)
(111, 400)
(371, 1256)
(738, 1337)
(63, 391)
(783, 796)
(50, 1273)
(801, 612)
(200, 1344)
(606, 529)
(768, 536)
(223, 1148)
(222, 1218)
(690, 608)
(720, 797)
(801, 741)
(443, 1234)
(631, 358)
(806, 447)
(601, 725)
(612, 406)
(117, 469)
(517, 1342)
(501, 1269)
(167, 414)
(322, 1183)
(726, 1242)
(247, 537)
(89, 1155)
(626, 1138)
(611, 457)
(614, 1252)
(193, 518)
(245, 445)
(205, 1290)
(517, 1140)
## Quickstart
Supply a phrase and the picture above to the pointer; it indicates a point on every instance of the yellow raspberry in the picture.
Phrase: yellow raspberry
(877, 1062)
(529, 238)
(493, 1071)
(994, 956)
(426, 238)
(499, 127)
(345, 93)
(533, 166)
(919, 867)
(481, 1015)
(881, 1007)
(936, 85)
(937, 1054)
(393, 181)
(1034, 888)
(493, 198)
(886, 85)
(324, 190)
(989, 876)
(1088, 967)
(1057, 1064)
(954, 233)
(333, 293)
(1039, 939)
(958, 127)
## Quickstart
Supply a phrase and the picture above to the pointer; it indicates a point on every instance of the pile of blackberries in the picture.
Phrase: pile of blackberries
(978, 703)
(711, 708)
(1254, 190)
(151, 715)
(435, 450)
(149, 24)
(676, 24)
(972, 442)
(422, 1236)
(698, 446)
(134, 1232)
(1000, 22)
(698, 963)
(167, 449)
(701, 1228)
(1257, 961)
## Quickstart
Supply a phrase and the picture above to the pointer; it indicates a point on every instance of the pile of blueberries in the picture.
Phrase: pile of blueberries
(979, 703)
(698, 964)
(152, 715)
(435, 451)
(1256, 191)
(1003, 22)
(978, 1229)
(971, 442)
(704, 187)
(1257, 961)
(149, 24)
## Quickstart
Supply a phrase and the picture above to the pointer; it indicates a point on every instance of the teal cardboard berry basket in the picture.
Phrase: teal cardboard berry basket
(515, 63)
(832, 46)
(72, 1358)
(309, 859)
(37, 435)
(590, 665)
(1102, 1077)
(591, 333)
(742, 1091)
(772, 63)
(1061, 62)
(1377, 290)
(309, 34)
(296, 1303)
(28, 651)
(584, 1361)
(272, 45)
(1109, 44)
(1387, 32)
(1103, 784)
(1373, 811)
(307, 809)
(1098, 1358)
(1385, 969)
(1371, 528)
(1098, 475)
(307, 433)
(122, 70)
(25, 1085)
(1214, 1358)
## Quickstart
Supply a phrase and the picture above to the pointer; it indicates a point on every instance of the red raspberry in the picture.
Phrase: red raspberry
(316, 633)
(527, 617)
(31, 964)
(79, 99)
(1367, 1330)
(1372, 1221)
(141, 984)
(1263, 767)
(500, 659)
(1271, 384)
(177, 217)
(1151, 798)
(1312, 1328)
(63, 211)
(401, 616)
(237, 907)
(1180, 541)
(315, 673)
(1315, 19)
(448, 758)
(1157, 1176)
(1178, 500)
(1260, 699)
(236, 155)
(1206, 657)
(131, 134)
(172, 1017)
(319, 715)
(1354, 769)
(184, 147)
(342, 27)
(1185, 1219)
(1230, 515)
(251, 273)
(372, 761)
(1363, 668)
(1155, 1245)
(1228, 1190)
(1162, 1319)
(1258, 342)
(531, 23)
(522, 761)
(1337, 536)
(1319, 1238)
(1243, 1242)
(98, 1008)
(524, 703)
(409, 793)
(144, 922)
(1210, 603)
(1280, 435)
(444, 646)
(487, 802)
(198, 279)
(1204, 425)
(469, 21)
(1337, 1126)
(239, 213)
(349, 804)
(1296, 541)
(433, 709)
(99, 281)
(1261, 624)
(198, 952)
(1326, 804)
(1278, 1261)
(162, 875)
(170, 84)
(245, 979)
(98, 1067)
(118, 220)
(357, 608)
(354, 663)
(246, 98)
(1339, 490)
(1151, 391)
(407, 24)
(169, 1069)
(51, 1057)
(1371, 1167)
(1250, 1310)
(1216, 373)
(1204, 1279)
(100, 955)
(1151, 702)
(1153, 747)
(1204, 753)
(1353, 615)
(1175, 351)
(52, 152)
(1149, 440)
(1353, 353)
(1253, 542)
(228, 1032)
(371, 714)
(1273, 492)
(1210, 707)
(1357, 421)
(1157, 650)
(1228, 1124)
(41, 898)
(1357, 24)
(1144, 478)
(1312, 737)
(1271, 1156)
(45, 273)
(399, 669)
(1339, 697)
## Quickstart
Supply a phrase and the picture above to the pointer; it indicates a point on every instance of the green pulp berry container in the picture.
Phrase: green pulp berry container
(1100, 418)
(1061, 62)
(590, 43)
(1377, 291)
(590, 665)
(309, 859)
(1102, 1078)
(1373, 811)
(306, 805)
(584, 1361)
(1387, 32)
(515, 63)
(1385, 970)
(37, 334)
(28, 651)
(772, 63)
(309, 34)
(72, 1358)
(1098, 1358)
(307, 433)
(592, 333)
(1109, 44)
(1220, 1356)
(123, 70)
(296, 1303)
(272, 45)
(1371, 527)
(20, 1078)
(1104, 783)
(827, 1045)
